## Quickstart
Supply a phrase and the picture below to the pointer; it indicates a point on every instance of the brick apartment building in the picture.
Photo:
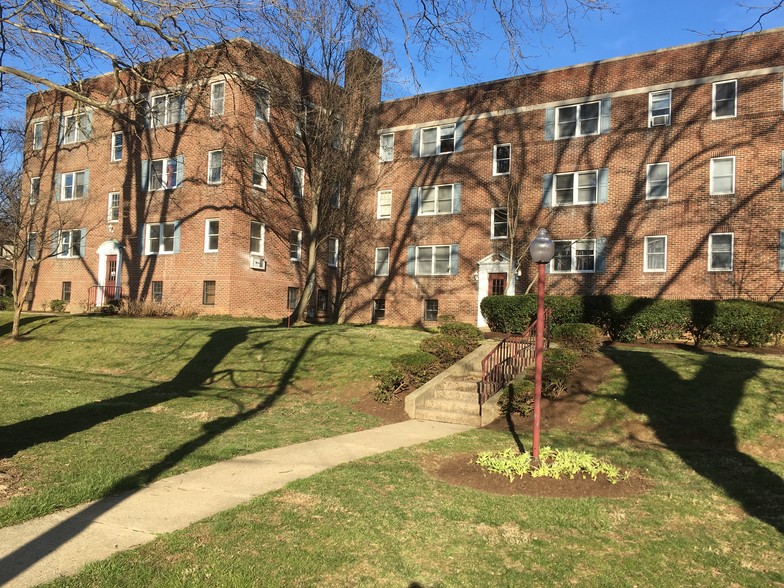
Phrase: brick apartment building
(659, 174)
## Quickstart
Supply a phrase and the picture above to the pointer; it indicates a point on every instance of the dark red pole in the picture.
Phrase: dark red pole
(538, 360)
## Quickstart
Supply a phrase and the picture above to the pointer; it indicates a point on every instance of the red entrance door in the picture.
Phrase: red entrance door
(110, 289)
(496, 285)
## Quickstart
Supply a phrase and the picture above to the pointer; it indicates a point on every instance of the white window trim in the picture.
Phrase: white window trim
(112, 156)
(210, 157)
(333, 253)
(578, 127)
(645, 267)
(375, 265)
(386, 155)
(433, 260)
(79, 131)
(38, 141)
(262, 238)
(378, 204)
(165, 174)
(73, 190)
(208, 234)
(710, 252)
(167, 98)
(435, 204)
(265, 112)
(573, 262)
(712, 165)
(110, 208)
(299, 245)
(735, 100)
(34, 194)
(298, 182)
(650, 108)
(495, 159)
(493, 223)
(69, 254)
(263, 184)
(575, 188)
(438, 139)
(648, 181)
(213, 100)
(160, 251)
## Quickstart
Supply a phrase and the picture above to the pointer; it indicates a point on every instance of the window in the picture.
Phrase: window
(75, 128)
(217, 94)
(298, 182)
(301, 123)
(502, 158)
(720, 247)
(382, 261)
(73, 185)
(781, 250)
(208, 293)
(257, 232)
(431, 310)
(337, 134)
(379, 309)
(722, 175)
(211, 229)
(162, 238)
(214, 167)
(384, 209)
(32, 245)
(69, 243)
(259, 171)
(332, 252)
(35, 190)
(655, 254)
(576, 188)
(657, 181)
(577, 120)
(334, 198)
(436, 140)
(65, 294)
(499, 223)
(157, 291)
(167, 109)
(262, 101)
(38, 135)
(574, 257)
(659, 107)
(387, 147)
(117, 146)
(322, 300)
(163, 174)
(725, 96)
(292, 298)
(433, 260)
(437, 200)
(113, 207)
(295, 245)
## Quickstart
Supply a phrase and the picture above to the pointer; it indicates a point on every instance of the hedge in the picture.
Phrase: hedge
(628, 318)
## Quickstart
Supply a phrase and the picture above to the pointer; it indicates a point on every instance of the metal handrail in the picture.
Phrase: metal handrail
(508, 359)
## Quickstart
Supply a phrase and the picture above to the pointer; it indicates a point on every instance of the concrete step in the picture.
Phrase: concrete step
(459, 395)
(451, 405)
(425, 414)
(459, 384)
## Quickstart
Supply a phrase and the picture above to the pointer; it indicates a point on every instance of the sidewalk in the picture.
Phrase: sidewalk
(60, 544)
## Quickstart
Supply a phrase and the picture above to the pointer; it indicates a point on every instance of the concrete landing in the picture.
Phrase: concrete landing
(60, 544)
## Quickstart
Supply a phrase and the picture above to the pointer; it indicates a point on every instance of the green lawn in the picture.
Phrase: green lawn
(93, 405)
(707, 520)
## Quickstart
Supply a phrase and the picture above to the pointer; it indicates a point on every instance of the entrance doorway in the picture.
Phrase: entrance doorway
(496, 285)
(110, 286)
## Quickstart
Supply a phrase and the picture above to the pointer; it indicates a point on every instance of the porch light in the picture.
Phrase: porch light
(542, 249)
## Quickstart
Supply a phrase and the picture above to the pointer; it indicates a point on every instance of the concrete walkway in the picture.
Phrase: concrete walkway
(60, 544)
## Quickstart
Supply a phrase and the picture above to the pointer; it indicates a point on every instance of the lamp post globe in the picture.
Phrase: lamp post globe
(542, 248)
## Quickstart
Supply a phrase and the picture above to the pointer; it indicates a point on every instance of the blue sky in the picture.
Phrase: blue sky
(634, 26)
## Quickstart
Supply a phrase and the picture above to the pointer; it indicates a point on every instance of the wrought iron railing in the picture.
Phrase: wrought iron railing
(509, 358)
(107, 293)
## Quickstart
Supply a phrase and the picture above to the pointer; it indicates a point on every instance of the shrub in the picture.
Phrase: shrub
(464, 331)
(446, 348)
(389, 383)
(508, 314)
(57, 305)
(738, 321)
(517, 397)
(661, 319)
(558, 365)
(6, 303)
(581, 337)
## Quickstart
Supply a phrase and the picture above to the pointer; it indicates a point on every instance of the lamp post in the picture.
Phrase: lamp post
(542, 250)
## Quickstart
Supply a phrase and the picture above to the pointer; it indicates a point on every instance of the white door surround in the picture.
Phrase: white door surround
(495, 263)
(106, 249)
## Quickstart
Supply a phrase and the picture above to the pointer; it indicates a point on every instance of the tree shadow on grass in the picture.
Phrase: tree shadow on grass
(694, 419)
(5, 328)
(199, 370)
